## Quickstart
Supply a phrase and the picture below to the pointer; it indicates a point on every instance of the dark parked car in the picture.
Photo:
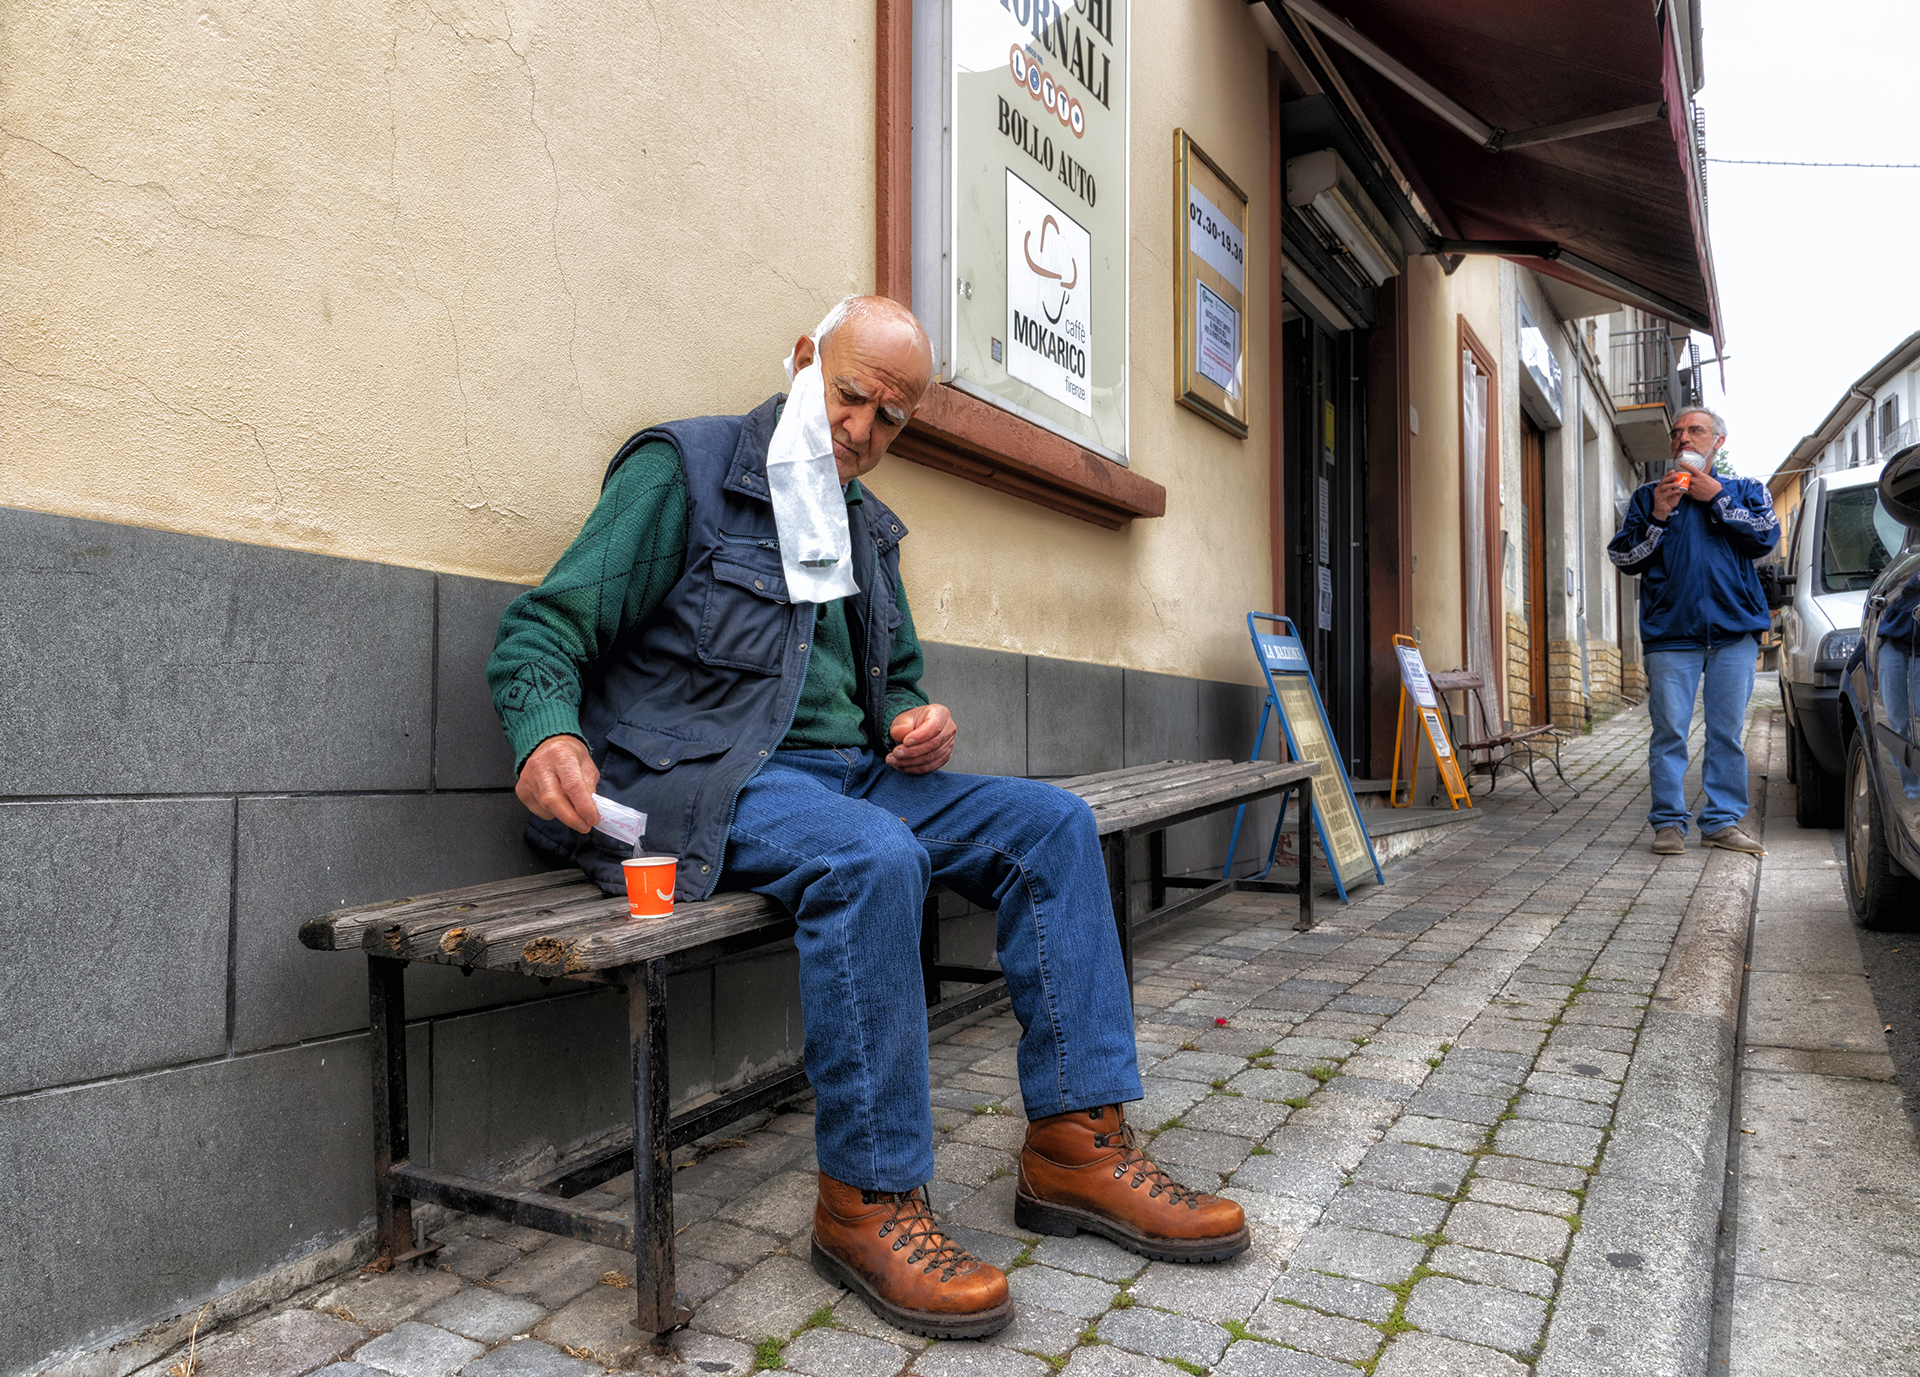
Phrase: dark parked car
(1881, 722)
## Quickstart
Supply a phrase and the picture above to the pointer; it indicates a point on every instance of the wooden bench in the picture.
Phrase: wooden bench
(559, 925)
(1533, 743)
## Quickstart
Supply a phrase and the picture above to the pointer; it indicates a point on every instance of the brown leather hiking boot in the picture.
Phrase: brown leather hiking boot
(1083, 1170)
(889, 1249)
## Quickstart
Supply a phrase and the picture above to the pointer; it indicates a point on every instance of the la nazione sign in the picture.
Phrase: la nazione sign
(1020, 209)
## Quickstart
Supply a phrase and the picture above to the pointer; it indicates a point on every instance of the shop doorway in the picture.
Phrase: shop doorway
(1325, 481)
(1533, 501)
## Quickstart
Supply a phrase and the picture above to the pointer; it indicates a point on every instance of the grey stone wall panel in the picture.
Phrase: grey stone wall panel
(116, 923)
(1162, 717)
(470, 749)
(131, 1200)
(507, 1082)
(987, 692)
(149, 662)
(1075, 723)
(756, 1014)
(301, 857)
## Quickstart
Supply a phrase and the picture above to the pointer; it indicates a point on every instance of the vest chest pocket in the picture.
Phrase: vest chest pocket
(659, 752)
(747, 617)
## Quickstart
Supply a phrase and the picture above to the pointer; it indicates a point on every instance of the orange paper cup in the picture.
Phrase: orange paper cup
(649, 885)
(1686, 479)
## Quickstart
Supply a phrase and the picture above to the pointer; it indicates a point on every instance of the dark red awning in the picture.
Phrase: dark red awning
(1617, 210)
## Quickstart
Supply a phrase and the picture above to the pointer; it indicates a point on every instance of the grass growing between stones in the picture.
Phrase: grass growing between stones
(766, 1354)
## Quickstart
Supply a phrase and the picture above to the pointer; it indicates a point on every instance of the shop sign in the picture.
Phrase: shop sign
(1210, 234)
(1542, 363)
(1020, 207)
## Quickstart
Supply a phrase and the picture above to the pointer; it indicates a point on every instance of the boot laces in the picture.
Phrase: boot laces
(1144, 1169)
(913, 1218)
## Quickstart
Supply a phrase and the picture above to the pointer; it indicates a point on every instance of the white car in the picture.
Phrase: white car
(1840, 541)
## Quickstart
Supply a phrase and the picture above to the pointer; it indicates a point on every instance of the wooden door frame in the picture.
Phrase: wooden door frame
(1533, 505)
(1483, 358)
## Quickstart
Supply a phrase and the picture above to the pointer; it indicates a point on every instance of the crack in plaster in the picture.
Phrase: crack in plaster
(253, 432)
(553, 167)
(152, 188)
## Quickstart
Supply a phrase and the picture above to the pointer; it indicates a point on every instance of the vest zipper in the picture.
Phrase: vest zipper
(720, 861)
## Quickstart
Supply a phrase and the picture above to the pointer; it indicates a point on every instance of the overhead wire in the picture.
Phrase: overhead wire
(1775, 162)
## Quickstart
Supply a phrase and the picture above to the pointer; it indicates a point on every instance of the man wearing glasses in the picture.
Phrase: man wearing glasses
(1692, 538)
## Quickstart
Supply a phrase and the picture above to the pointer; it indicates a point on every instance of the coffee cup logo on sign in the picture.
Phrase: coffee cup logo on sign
(1049, 323)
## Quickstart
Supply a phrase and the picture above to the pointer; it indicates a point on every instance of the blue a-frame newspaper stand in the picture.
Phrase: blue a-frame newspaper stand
(1294, 699)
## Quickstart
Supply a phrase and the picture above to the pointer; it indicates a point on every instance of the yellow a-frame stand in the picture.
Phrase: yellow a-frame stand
(1415, 683)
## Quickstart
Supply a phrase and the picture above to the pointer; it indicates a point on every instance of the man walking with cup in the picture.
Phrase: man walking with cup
(1692, 538)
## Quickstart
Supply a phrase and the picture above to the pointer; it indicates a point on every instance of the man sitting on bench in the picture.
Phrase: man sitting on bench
(726, 647)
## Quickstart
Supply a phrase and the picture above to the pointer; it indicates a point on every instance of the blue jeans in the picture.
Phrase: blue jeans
(1674, 677)
(850, 846)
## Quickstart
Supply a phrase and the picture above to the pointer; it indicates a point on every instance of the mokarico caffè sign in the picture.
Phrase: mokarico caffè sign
(1020, 208)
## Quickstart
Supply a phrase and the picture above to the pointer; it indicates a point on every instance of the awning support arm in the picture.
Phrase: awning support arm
(1493, 139)
(1571, 129)
(1552, 252)
(1339, 31)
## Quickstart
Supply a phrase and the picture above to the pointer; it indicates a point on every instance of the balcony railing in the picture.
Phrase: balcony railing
(1640, 368)
(1902, 436)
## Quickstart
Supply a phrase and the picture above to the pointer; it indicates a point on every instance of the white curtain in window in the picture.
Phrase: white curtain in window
(1473, 478)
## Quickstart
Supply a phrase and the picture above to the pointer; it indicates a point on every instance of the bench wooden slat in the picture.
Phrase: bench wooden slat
(342, 929)
(1135, 781)
(419, 935)
(469, 944)
(1135, 814)
(1075, 783)
(622, 943)
(475, 944)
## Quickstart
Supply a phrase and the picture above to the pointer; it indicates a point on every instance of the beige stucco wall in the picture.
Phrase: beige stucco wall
(391, 281)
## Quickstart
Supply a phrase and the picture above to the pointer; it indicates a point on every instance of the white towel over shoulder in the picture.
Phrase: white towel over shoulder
(809, 506)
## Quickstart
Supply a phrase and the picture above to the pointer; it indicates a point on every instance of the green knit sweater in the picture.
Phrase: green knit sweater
(627, 557)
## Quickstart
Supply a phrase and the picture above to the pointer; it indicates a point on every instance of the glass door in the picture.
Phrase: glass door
(1325, 479)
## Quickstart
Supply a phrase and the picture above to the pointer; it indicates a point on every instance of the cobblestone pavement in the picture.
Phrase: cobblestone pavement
(1409, 1101)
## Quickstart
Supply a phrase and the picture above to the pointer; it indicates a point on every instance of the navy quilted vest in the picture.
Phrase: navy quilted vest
(683, 708)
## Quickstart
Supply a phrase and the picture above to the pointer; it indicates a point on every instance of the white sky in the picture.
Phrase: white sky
(1817, 278)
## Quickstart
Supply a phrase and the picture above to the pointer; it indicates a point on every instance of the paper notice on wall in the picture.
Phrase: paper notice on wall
(1218, 333)
(1326, 521)
(1324, 617)
(1049, 291)
(1216, 241)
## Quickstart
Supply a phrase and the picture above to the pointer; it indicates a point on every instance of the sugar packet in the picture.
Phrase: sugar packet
(619, 821)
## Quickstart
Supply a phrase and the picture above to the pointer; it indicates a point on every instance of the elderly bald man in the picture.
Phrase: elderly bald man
(784, 746)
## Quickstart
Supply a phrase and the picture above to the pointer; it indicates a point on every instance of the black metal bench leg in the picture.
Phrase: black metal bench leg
(653, 1274)
(1156, 870)
(1554, 760)
(1114, 847)
(930, 948)
(1533, 759)
(1305, 921)
(387, 1023)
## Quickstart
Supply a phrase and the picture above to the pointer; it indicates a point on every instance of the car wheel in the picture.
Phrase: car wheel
(1793, 754)
(1879, 892)
(1816, 794)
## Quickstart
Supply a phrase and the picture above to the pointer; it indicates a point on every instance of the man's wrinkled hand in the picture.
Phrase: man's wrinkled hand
(923, 740)
(558, 781)
(1704, 488)
(1667, 496)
